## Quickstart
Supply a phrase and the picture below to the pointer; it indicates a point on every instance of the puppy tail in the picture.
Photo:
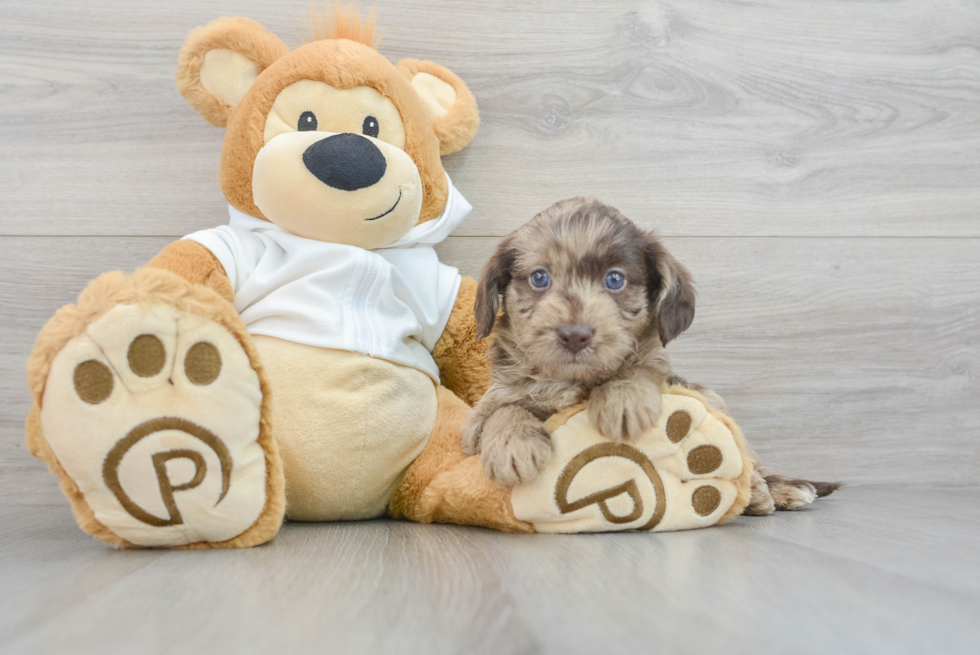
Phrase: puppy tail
(795, 493)
(826, 488)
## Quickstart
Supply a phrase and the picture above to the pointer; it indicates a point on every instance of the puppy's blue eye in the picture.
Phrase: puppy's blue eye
(540, 279)
(615, 280)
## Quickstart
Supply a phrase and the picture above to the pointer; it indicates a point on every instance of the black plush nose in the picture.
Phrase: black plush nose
(575, 338)
(345, 161)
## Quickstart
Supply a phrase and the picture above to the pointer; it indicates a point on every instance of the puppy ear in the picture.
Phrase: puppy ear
(493, 282)
(671, 291)
(219, 62)
(451, 106)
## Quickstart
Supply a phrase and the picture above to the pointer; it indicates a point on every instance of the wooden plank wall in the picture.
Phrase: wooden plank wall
(816, 165)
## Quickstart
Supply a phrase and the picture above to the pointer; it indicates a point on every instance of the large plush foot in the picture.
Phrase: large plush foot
(150, 409)
(690, 470)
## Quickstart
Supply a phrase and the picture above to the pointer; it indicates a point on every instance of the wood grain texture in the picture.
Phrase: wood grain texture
(710, 118)
(862, 572)
(817, 167)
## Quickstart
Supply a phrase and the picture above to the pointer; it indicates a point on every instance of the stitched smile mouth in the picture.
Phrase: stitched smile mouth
(390, 210)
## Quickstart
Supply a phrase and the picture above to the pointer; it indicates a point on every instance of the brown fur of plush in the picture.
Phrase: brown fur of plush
(458, 127)
(196, 264)
(344, 65)
(343, 21)
(148, 286)
(462, 358)
(343, 54)
(187, 276)
(464, 495)
(444, 486)
(241, 35)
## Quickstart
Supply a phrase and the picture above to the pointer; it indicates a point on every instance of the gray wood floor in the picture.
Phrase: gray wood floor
(873, 570)
(815, 164)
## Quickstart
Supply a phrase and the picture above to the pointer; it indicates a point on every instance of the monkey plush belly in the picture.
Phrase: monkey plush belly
(347, 425)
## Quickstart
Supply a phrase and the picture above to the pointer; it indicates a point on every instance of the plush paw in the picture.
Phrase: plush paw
(625, 409)
(515, 447)
(687, 471)
(154, 414)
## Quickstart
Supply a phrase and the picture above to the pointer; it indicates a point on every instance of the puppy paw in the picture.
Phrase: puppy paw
(760, 500)
(789, 493)
(515, 448)
(625, 409)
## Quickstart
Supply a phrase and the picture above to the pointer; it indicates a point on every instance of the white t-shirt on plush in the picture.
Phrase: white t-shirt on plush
(392, 303)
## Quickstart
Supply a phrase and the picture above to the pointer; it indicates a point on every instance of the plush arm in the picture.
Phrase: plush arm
(196, 264)
(461, 357)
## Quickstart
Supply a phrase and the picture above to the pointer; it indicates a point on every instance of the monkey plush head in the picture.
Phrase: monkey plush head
(329, 141)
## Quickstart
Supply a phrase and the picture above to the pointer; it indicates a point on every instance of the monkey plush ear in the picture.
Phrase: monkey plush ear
(450, 104)
(219, 62)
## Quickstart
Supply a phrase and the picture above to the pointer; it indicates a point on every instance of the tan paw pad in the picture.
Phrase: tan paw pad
(155, 415)
(682, 474)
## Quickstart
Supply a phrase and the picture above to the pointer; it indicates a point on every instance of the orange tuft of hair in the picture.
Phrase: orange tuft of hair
(341, 20)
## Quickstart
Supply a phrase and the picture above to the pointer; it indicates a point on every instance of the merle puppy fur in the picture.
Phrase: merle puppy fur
(583, 302)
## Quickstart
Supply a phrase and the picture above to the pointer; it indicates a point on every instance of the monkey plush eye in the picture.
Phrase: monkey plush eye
(307, 122)
(615, 280)
(540, 279)
(370, 127)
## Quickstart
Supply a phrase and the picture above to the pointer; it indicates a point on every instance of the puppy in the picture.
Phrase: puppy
(587, 301)
(584, 302)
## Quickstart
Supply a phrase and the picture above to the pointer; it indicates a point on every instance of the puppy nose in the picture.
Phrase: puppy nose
(575, 338)
(346, 161)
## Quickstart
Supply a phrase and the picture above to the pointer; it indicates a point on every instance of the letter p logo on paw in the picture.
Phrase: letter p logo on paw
(602, 498)
(110, 468)
(683, 473)
(155, 414)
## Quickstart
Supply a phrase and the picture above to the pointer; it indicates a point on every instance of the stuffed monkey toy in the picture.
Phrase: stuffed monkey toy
(313, 359)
